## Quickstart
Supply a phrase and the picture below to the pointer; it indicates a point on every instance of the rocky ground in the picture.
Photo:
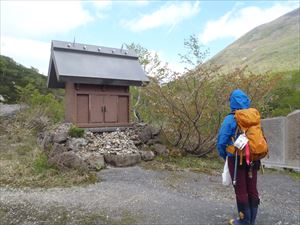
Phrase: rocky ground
(93, 151)
(134, 195)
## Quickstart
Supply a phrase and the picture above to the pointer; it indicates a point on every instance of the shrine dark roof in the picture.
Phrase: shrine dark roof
(90, 64)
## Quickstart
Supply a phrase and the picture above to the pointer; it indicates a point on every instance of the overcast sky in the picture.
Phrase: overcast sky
(27, 27)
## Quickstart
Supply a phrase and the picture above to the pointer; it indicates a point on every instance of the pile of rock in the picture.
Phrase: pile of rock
(142, 133)
(110, 143)
(95, 150)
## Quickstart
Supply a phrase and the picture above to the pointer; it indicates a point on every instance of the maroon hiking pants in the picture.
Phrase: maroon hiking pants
(245, 188)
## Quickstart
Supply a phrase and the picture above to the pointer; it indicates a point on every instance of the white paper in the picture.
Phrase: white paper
(241, 141)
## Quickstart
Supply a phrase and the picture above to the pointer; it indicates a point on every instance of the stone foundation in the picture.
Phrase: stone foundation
(95, 150)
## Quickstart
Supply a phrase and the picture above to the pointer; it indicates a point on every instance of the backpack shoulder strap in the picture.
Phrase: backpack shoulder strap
(237, 126)
(231, 113)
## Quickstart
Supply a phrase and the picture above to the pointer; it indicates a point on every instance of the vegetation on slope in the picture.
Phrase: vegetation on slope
(14, 76)
(22, 162)
(271, 47)
(285, 96)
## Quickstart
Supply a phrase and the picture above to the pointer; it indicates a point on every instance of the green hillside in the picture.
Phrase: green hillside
(273, 46)
(13, 74)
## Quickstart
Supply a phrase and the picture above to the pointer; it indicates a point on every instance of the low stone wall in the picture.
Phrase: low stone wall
(283, 136)
(94, 150)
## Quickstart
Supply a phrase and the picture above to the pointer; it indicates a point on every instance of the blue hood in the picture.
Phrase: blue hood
(239, 100)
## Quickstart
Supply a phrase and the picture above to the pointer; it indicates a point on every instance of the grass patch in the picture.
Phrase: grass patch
(76, 132)
(285, 171)
(40, 164)
(294, 175)
(21, 174)
(210, 164)
(23, 164)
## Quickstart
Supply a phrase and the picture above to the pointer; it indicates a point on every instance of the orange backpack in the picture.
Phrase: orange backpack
(248, 121)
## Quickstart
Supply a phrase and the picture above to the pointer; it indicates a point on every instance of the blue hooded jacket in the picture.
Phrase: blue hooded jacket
(238, 100)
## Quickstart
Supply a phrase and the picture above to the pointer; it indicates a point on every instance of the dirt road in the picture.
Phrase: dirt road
(138, 196)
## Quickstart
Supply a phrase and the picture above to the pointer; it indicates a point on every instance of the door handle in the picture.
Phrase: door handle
(103, 108)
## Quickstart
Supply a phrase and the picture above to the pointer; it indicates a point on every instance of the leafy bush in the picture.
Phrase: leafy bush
(41, 110)
(284, 97)
(190, 107)
(40, 163)
(76, 132)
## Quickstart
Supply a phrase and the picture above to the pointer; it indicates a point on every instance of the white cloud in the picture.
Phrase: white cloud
(167, 15)
(41, 18)
(27, 52)
(238, 22)
(102, 4)
(141, 2)
(137, 2)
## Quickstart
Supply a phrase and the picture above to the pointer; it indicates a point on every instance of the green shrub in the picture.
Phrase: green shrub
(40, 163)
(76, 132)
(40, 105)
(285, 96)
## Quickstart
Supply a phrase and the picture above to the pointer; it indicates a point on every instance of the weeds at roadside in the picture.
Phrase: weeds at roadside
(40, 164)
(295, 175)
(23, 164)
(210, 164)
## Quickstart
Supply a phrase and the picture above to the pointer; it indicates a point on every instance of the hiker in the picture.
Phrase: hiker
(247, 198)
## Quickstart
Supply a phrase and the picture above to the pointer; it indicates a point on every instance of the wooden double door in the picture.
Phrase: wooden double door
(103, 109)
(99, 109)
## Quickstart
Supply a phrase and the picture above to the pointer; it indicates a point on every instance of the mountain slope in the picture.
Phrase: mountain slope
(273, 46)
(13, 74)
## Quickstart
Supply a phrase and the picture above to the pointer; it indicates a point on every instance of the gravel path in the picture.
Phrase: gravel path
(138, 196)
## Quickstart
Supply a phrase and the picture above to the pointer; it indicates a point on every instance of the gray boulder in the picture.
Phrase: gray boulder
(147, 155)
(160, 149)
(57, 149)
(122, 160)
(75, 144)
(68, 160)
(155, 131)
(95, 162)
(61, 133)
(60, 137)
(155, 140)
(145, 134)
